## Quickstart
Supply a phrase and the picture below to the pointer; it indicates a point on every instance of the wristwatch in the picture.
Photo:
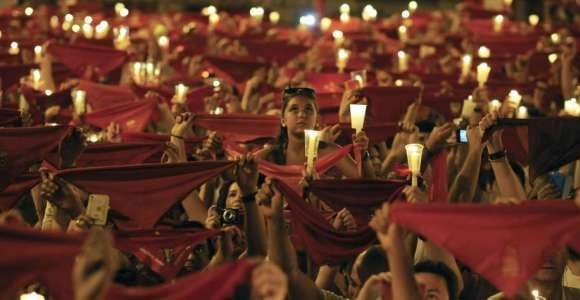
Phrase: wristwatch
(497, 155)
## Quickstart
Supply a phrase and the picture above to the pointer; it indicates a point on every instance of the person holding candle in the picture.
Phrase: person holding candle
(300, 112)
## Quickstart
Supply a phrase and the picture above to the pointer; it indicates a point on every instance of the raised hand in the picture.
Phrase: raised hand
(438, 137)
(329, 134)
(62, 194)
(269, 282)
(183, 122)
(344, 221)
(213, 220)
(415, 195)
(247, 174)
(269, 200)
(386, 232)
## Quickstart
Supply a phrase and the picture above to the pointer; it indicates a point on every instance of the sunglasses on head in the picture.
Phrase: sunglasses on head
(298, 91)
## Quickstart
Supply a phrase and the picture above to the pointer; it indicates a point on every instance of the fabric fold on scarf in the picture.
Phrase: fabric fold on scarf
(78, 58)
(141, 194)
(131, 116)
(195, 99)
(96, 155)
(100, 96)
(274, 51)
(10, 118)
(148, 137)
(506, 244)
(31, 256)
(360, 196)
(215, 284)
(22, 147)
(550, 142)
(292, 174)
(323, 243)
(19, 186)
(165, 251)
(388, 104)
(234, 70)
(240, 127)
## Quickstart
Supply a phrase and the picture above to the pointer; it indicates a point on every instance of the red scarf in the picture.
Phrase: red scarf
(141, 194)
(101, 96)
(506, 244)
(195, 99)
(10, 196)
(234, 70)
(9, 118)
(326, 82)
(97, 155)
(22, 147)
(323, 243)
(30, 256)
(148, 137)
(438, 190)
(77, 58)
(388, 104)
(215, 284)
(376, 132)
(131, 116)
(240, 127)
(273, 51)
(292, 174)
(360, 196)
(11, 74)
(149, 246)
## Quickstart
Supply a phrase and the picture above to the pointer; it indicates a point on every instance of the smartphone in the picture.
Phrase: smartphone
(98, 208)
(461, 136)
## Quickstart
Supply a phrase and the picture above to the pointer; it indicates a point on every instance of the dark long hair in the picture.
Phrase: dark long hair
(281, 143)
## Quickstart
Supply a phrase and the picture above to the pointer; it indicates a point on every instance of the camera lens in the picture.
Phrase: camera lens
(229, 216)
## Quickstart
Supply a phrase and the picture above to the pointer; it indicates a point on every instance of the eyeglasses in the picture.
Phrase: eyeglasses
(298, 91)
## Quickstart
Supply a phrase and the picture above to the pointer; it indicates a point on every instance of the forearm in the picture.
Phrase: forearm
(368, 171)
(465, 184)
(400, 265)
(278, 251)
(389, 162)
(194, 208)
(325, 278)
(255, 230)
(246, 98)
(180, 146)
(567, 81)
(508, 183)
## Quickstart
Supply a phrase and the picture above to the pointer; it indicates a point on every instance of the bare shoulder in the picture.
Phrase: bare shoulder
(264, 153)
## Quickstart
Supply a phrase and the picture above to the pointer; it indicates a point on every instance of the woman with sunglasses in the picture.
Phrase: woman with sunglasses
(299, 112)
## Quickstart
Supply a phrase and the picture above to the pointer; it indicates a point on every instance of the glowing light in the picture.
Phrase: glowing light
(29, 11)
(325, 24)
(274, 17)
(76, 28)
(308, 20)
(413, 6)
(344, 8)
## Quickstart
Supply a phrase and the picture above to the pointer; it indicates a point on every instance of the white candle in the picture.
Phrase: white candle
(398, 82)
(274, 17)
(36, 77)
(498, 23)
(414, 153)
(163, 42)
(552, 58)
(555, 38)
(522, 112)
(311, 140)
(14, 49)
(122, 39)
(468, 107)
(369, 13)
(483, 70)
(534, 20)
(88, 31)
(76, 28)
(572, 107)
(466, 65)
(515, 98)
(406, 15)
(359, 77)
(137, 70)
(344, 18)
(483, 52)
(102, 30)
(37, 54)
(28, 11)
(54, 22)
(344, 8)
(338, 37)
(325, 24)
(494, 105)
(180, 92)
(403, 61)
(124, 12)
(213, 20)
(413, 6)
(31, 296)
(119, 7)
(403, 37)
(209, 10)
(357, 116)
(341, 59)
(257, 13)
(79, 101)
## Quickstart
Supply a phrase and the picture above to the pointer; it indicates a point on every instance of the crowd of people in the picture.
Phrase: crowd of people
(213, 154)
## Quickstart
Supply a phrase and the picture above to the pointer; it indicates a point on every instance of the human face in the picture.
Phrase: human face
(300, 114)
(353, 280)
(433, 287)
(233, 200)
